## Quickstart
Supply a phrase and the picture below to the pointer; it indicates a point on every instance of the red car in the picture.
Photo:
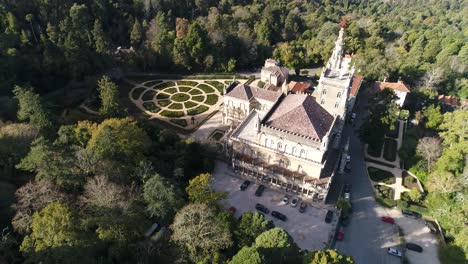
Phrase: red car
(339, 236)
(232, 209)
(387, 219)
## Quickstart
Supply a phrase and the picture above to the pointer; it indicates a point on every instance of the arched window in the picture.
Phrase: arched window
(322, 102)
(266, 142)
(293, 150)
(337, 104)
(338, 95)
(324, 91)
(280, 145)
(272, 144)
(302, 154)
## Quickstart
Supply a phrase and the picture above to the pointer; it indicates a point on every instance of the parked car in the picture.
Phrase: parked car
(339, 235)
(302, 207)
(232, 210)
(347, 196)
(414, 247)
(347, 167)
(329, 216)
(294, 188)
(244, 185)
(260, 190)
(283, 186)
(347, 188)
(294, 202)
(387, 219)
(262, 208)
(270, 224)
(348, 158)
(394, 252)
(345, 221)
(279, 215)
(288, 187)
(285, 199)
(265, 179)
(411, 213)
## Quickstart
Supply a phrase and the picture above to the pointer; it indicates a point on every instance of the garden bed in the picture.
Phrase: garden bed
(409, 181)
(162, 96)
(179, 122)
(390, 149)
(184, 89)
(164, 102)
(384, 196)
(200, 98)
(171, 90)
(190, 104)
(149, 95)
(378, 175)
(374, 152)
(187, 83)
(195, 92)
(180, 97)
(198, 110)
(164, 85)
(206, 88)
(211, 99)
(393, 133)
(176, 106)
(137, 92)
(168, 113)
(150, 106)
(218, 85)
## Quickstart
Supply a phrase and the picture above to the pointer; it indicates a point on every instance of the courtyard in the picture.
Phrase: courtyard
(182, 103)
(308, 229)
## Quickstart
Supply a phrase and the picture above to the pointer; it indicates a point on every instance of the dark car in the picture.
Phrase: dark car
(262, 208)
(347, 188)
(270, 224)
(414, 247)
(244, 185)
(260, 190)
(279, 215)
(329, 217)
(347, 167)
(302, 207)
(411, 213)
(344, 221)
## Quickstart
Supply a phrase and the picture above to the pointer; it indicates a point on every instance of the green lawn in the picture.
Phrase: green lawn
(198, 110)
(172, 90)
(390, 149)
(162, 96)
(190, 104)
(168, 113)
(384, 196)
(150, 106)
(378, 175)
(148, 95)
(176, 106)
(179, 122)
(211, 99)
(206, 88)
(137, 92)
(200, 98)
(195, 92)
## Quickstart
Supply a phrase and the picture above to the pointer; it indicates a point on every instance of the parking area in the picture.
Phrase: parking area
(308, 229)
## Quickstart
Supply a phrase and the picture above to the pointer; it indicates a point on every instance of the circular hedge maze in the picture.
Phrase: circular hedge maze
(184, 103)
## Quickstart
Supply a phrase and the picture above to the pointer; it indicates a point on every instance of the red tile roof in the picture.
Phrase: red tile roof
(449, 100)
(298, 87)
(301, 114)
(398, 86)
(357, 80)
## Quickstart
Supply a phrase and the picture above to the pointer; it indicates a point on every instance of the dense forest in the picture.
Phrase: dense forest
(87, 191)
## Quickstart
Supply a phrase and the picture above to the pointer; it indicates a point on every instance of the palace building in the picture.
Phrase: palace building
(290, 139)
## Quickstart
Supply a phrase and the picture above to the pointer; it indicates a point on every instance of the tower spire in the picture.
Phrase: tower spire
(335, 61)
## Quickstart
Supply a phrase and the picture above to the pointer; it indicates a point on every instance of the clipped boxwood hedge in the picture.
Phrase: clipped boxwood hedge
(162, 96)
(172, 90)
(164, 85)
(206, 88)
(378, 175)
(198, 98)
(390, 149)
(169, 113)
(176, 106)
(179, 122)
(198, 110)
(150, 106)
(211, 99)
(190, 104)
(195, 92)
(187, 83)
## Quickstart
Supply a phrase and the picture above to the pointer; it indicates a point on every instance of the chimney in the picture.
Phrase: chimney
(385, 79)
(399, 80)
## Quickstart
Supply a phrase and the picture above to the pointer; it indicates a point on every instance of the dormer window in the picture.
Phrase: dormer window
(280, 145)
(338, 95)
(322, 102)
(337, 104)
(324, 91)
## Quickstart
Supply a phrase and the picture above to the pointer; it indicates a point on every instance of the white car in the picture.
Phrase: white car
(347, 196)
(395, 252)
(348, 158)
(285, 199)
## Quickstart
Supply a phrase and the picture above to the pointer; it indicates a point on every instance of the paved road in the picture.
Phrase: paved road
(366, 237)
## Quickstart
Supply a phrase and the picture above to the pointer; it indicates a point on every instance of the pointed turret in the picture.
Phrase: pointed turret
(335, 61)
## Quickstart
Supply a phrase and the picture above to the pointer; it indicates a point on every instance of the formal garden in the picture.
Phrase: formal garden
(183, 103)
